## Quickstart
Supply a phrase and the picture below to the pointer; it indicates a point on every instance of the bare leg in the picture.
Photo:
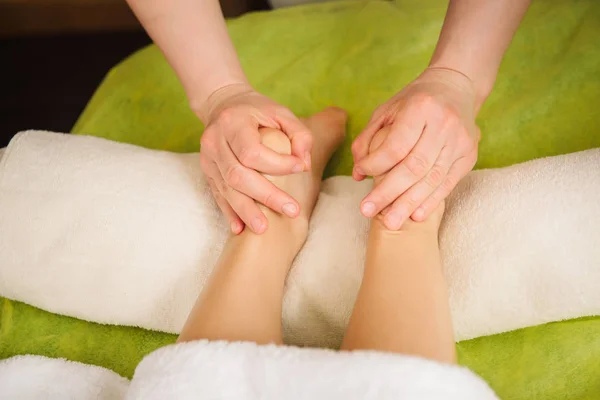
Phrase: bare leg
(402, 305)
(242, 299)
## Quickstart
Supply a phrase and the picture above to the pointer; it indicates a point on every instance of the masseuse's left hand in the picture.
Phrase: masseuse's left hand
(431, 147)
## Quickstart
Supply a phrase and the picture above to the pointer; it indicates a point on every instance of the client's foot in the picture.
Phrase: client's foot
(328, 128)
(431, 224)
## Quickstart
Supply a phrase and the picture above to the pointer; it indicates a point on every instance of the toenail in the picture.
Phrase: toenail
(298, 168)
(290, 209)
(368, 209)
(257, 224)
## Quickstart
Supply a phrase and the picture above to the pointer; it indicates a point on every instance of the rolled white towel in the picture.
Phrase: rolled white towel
(118, 234)
(221, 370)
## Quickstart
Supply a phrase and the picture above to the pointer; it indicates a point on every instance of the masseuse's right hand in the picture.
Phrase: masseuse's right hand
(233, 158)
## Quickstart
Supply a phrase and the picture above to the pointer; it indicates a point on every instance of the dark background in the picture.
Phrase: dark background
(53, 55)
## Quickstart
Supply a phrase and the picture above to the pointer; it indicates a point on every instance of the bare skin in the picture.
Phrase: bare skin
(242, 299)
(402, 305)
(424, 164)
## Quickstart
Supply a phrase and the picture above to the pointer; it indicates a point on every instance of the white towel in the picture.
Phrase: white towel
(118, 234)
(244, 371)
(42, 378)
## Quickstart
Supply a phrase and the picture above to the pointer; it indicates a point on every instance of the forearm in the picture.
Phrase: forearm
(474, 38)
(193, 37)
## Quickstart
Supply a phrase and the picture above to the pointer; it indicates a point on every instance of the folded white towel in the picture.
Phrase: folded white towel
(119, 234)
(42, 378)
(244, 371)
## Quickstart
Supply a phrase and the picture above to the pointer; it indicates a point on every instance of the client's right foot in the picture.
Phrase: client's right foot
(431, 224)
(328, 128)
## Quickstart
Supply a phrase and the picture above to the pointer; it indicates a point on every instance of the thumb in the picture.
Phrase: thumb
(301, 138)
(360, 146)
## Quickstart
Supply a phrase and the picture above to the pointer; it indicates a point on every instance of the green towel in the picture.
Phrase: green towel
(356, 55)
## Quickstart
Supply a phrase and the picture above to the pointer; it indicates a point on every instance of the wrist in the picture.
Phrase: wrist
(205, 101)
(481, 84)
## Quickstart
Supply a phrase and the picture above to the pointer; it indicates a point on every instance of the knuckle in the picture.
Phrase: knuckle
(233, 176)
(397, 150)
(417, 164)
(466, 143)
(222, 187)
(463, 143)
(432, 202)
(450, 118)
(424, 100)
(269, 199)
(436, 176)
(249, 155)
(226, 116)
(448, 184)
(386, 198)
(410, 201)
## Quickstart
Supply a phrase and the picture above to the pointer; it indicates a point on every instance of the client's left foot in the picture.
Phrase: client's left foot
(328, 129)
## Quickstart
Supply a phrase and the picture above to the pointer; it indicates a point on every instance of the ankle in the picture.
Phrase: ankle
(286, 235)
(291, 232)
(423, 230)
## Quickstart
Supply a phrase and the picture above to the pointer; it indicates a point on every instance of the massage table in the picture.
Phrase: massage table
(544, 104)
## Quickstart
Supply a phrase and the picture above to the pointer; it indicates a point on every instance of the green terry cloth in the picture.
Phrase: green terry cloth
(356, 55)
(556, 361)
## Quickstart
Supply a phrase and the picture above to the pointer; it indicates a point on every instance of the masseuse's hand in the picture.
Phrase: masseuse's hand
(232, 156)
(432, 145)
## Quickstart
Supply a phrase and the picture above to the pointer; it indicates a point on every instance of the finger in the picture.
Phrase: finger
(411, 170)
(212, 172)
(403, 136)
(256, 186)
(248, 149)
(246, 208)
(409, 201)
(458, 171)
(235, 222)
(360, 146)
(300, 136)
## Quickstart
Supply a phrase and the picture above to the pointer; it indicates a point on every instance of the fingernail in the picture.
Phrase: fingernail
(359, 171)
(307, 159)
(257, 225)
(419, 213)
(235, 227)
(368, 209)
(290, 210)
(393, 221)
(298, 168)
